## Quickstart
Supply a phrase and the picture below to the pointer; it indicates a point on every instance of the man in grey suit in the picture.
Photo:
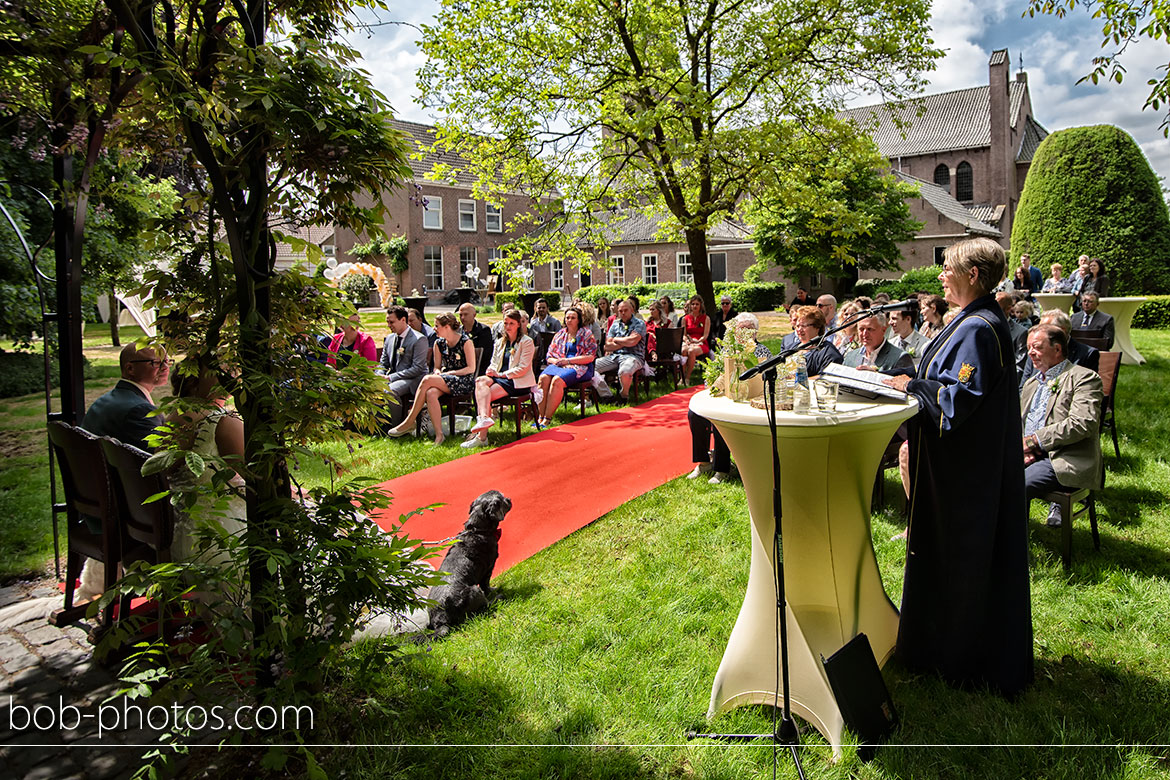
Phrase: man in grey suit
(1091, 317)
(1061, 409)
(128, 412)
(875, 353)
(403, 362)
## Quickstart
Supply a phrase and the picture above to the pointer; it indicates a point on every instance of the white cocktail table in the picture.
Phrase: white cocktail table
(833, 587)
(1123, 310)
(1059, 301)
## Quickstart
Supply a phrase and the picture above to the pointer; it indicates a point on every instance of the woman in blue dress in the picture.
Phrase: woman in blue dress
(570, 362)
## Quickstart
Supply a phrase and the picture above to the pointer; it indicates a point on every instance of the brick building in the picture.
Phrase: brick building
(969, 150)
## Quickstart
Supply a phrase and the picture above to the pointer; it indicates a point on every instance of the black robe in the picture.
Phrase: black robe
(966, 609)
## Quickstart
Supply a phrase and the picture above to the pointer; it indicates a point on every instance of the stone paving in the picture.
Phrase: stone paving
(49, 679)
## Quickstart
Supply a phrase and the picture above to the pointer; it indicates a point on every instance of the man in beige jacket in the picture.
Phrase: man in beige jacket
(1061, 409)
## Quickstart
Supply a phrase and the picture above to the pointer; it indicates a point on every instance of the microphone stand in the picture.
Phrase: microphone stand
(784, 733)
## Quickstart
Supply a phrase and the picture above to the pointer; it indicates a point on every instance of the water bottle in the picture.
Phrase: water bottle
(784, 379)
(800, 390)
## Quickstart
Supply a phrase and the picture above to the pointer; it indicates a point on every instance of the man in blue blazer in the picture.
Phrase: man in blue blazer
(875, 353)
(128, 412)
(403, 363)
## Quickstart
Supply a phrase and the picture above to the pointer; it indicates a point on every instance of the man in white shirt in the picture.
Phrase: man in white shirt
(905, 337)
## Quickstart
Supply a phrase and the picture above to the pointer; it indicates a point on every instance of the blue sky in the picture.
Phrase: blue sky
(1056, 53)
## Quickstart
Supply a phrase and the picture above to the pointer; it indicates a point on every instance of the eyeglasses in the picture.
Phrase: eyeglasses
(823, 305)
(156, 363)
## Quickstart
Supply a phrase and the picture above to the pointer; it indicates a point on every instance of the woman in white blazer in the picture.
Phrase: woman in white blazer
(509, 374)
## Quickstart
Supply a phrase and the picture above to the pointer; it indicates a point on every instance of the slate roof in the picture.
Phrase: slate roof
(637, 228)
(420, 135)
(942, 202)
(1034, 133)
(949, 121)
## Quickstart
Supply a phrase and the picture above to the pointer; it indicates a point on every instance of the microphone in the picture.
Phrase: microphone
(907, 305)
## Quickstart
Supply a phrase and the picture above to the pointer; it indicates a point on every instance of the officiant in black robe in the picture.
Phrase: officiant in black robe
(966, 608)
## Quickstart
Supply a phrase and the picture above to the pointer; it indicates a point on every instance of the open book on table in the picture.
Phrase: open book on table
(867, 384)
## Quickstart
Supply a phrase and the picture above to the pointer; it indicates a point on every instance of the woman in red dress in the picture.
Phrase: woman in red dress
(697, 327)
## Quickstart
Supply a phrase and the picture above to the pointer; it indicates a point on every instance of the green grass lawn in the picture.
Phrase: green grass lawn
(600, 653)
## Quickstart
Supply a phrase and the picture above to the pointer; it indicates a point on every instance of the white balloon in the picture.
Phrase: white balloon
(331, 262)
(329, 274)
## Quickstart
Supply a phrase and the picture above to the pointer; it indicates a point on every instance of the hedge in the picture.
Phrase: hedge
(552, 296)
(1154, 313)
(925, 278)
(745, 296)
(22, 373)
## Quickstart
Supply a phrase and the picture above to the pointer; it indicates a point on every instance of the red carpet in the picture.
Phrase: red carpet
(559, 480)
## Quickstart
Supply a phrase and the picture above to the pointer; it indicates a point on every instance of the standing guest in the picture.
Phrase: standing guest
(1061, 408)
(1092, 317)
(801, 298)
(509, 374)
(418, 322)
(933, 312)
(697, 329)
(668, 311)
(498, 328)
(828, 306)
(403, 363)
(454, 359)
(480, 335)
(570, 362)
(966, 607)
(1035, 278)
(625, 349)
(1096, 280)
(904, 336)
(704, 435)
(875, 353)
(127, 411)
(351, 341)
(719, 320)
(1057, 283)
(543, 322)
(847, 339)
(1078, 280)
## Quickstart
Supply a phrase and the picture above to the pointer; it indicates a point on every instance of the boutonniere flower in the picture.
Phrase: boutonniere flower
(912, 352)
(401, 351)
(1053, 384)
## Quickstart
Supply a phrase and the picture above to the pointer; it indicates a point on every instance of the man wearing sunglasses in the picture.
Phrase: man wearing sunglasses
(127, 412)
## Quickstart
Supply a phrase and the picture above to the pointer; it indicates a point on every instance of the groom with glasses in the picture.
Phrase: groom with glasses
(128, 412)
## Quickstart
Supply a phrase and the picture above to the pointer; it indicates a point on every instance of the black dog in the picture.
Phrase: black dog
(469, 563)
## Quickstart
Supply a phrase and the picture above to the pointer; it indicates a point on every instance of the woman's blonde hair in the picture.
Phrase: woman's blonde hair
(982, 254)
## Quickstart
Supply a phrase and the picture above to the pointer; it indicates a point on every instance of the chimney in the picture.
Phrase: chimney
(999, 116)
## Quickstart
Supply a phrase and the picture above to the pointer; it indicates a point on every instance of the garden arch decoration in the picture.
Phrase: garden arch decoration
(335, 272)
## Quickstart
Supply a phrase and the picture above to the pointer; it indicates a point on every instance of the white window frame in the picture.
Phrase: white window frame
(464, 261)
(684, 272)
(496, 214)
(467, 208)
(433, 209)
(557, 274)
(428, 274)
(650, 264)
(616, 273)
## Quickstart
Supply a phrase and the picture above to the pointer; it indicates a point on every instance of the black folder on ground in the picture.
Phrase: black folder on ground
(861, 693)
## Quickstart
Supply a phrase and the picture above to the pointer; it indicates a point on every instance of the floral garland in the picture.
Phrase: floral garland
(337, 273)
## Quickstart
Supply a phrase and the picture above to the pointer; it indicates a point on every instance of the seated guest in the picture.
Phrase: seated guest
(589, 320)
(508, 374)
(1022, 282)
(810, 324)
(654, 321)
(904, 336)
(667, 306)
(847, 339)
(1060, 407)
(570, 362)
(1018, 332)
(828, 306)
(403, 363)
(790, 340)
(625, 349)
(542, 322)
(351, 341)
(1025, 313)
(418, 322)
(454, 360)
(1092, 317)
(697, 330)
(1056, 283)
(127, 412)
(719, 319)
(875, 353)
(498, 328)
(1078, 353)
(604, 313)
(933, 310)
(480, 335)
(718, 457)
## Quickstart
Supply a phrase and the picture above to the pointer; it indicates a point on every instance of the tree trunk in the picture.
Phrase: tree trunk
(697, 244)
(114, 319)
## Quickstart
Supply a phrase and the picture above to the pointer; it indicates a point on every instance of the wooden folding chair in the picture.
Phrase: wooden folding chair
(1107, 367)
(461, 401)
(668, 345)
(1067, 499)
